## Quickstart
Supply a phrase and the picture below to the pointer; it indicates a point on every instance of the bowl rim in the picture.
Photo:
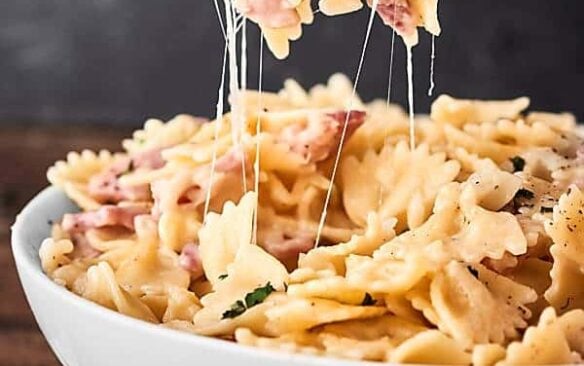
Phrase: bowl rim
(26, 264)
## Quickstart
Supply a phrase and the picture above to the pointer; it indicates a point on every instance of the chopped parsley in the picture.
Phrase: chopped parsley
(518, 163)
(223, 276)
(252, 299)
(235, 310)
(258, 295)
(473, 272)
(368, 300)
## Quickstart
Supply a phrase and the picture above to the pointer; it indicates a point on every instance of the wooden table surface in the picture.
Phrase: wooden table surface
(25, 154)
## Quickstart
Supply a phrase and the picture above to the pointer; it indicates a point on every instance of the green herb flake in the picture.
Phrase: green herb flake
(258, 295)
(235, 310)
(253, 298)
(368, 300)
(223, 276)
(518, 163)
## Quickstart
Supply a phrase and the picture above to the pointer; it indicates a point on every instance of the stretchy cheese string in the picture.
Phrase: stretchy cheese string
(242, 119)
(218, 11)
(256, 164)
(390, 77)
(410, 70)
(389, 82)
(432, 58)
(228, 33)
(218, 125)
(344, 129)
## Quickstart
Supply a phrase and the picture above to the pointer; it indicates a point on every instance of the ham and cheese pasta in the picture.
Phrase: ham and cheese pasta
(467, 249)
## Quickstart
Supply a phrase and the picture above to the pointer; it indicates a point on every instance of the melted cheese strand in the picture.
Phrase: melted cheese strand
(256, 165)
(233, 70)
(218, 11)
(390, 77)
(218, 125)
(432, 58)
(243, 77)
(344, 130)
(388, 101)
(410, 70)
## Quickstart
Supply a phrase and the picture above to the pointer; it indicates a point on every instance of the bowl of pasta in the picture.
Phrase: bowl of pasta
(453, 238)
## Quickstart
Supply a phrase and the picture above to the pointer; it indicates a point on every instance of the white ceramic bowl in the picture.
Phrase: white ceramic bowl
(82, 333)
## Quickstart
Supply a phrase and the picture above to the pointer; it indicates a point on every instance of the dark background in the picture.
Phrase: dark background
(120, 61)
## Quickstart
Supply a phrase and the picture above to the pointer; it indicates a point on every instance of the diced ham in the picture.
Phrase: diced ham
(105, 216)
(399, 15)
(269, 13)
(284, 247)
(190, 260)
(105, 187)
(82, 248)
(316, 139)
(149, 159)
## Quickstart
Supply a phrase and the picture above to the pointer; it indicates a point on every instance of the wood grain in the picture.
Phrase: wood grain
(25, 154)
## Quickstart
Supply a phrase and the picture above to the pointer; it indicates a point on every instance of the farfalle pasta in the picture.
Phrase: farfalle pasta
(465, 250)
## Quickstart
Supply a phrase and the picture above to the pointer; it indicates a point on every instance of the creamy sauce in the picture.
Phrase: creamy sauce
(344, 130)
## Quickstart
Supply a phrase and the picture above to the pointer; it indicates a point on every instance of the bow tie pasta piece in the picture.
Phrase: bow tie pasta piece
(299, 314)
(157, 134)
(103, 288)
(321, 272)
(394, 328)
(478, 309)
(544, 344)
(567, 232)
(151, 268)
(459, 112)
(235, 267)
(280, 20)
(460, 227)
(386, 276)
(337, 93)
(73, 175)
(404, 183)
(251, 269)
(494, 150)
(430, 347)
(178, 227)
(224, 234)
(333, 257)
